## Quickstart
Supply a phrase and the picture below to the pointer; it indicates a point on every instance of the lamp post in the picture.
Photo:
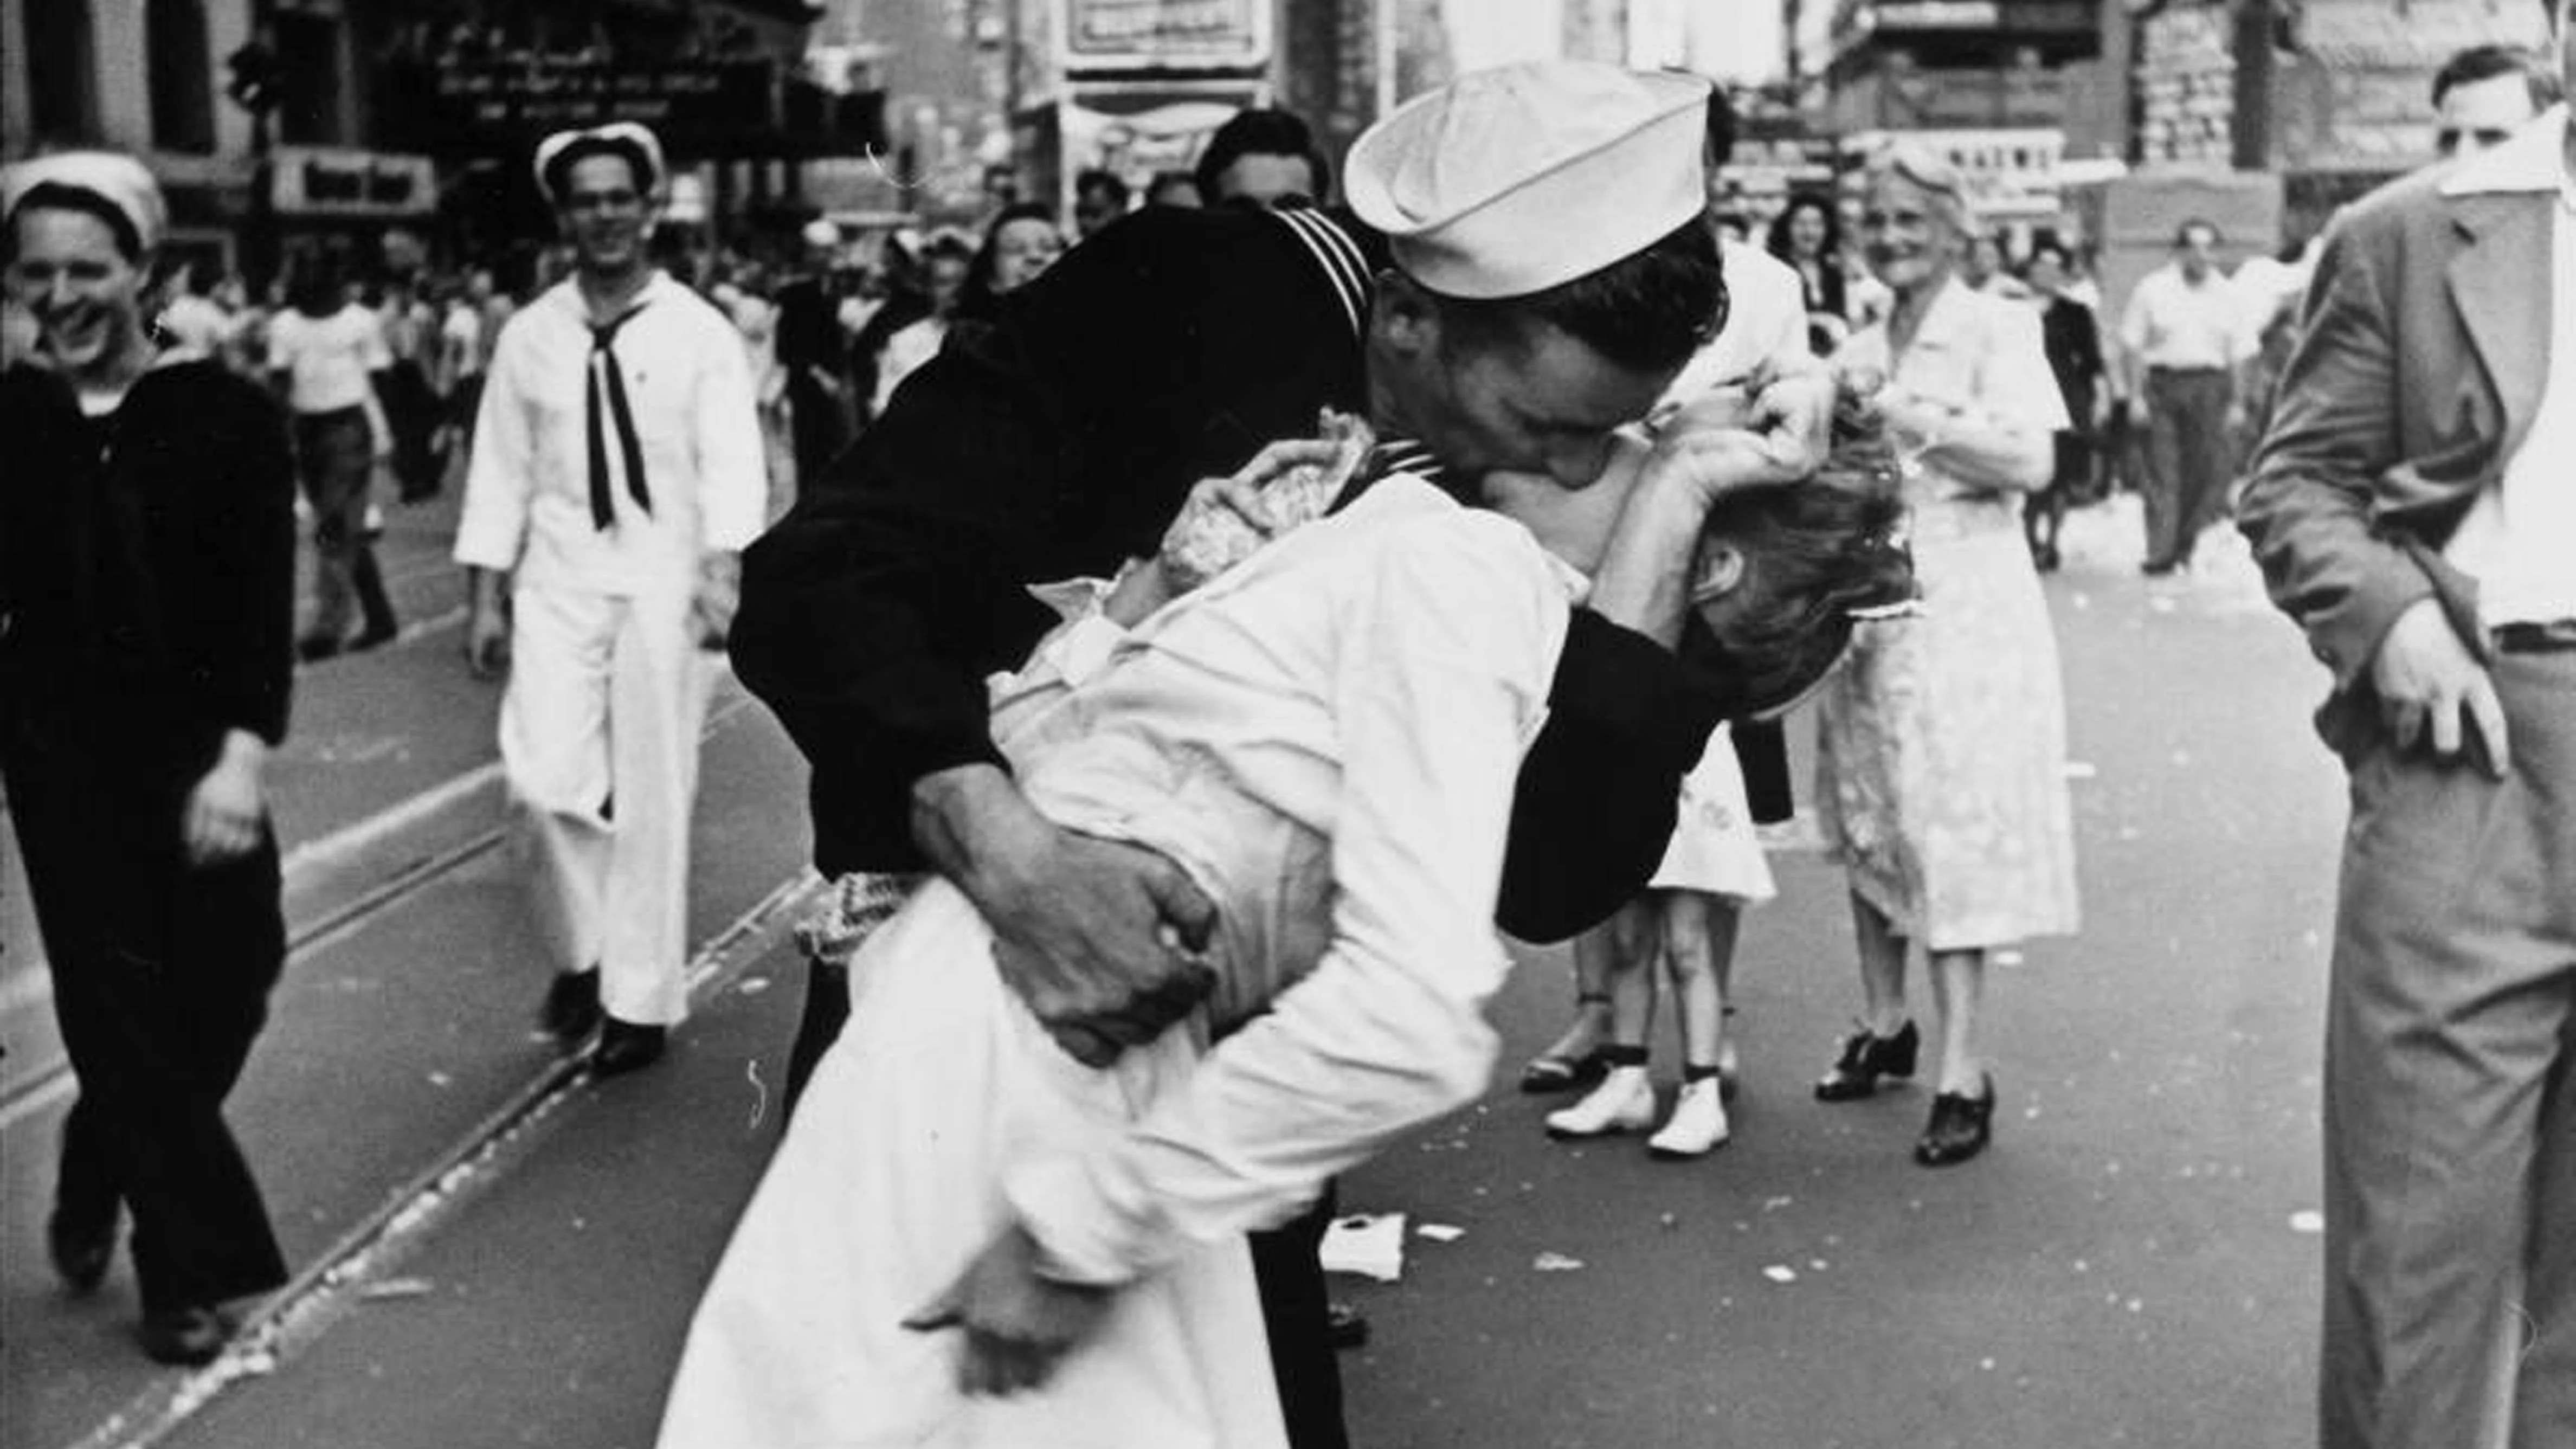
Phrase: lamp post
(254, 87)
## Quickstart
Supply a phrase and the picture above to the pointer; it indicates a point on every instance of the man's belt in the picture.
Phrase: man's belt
(2158, 369)
(2551, 637)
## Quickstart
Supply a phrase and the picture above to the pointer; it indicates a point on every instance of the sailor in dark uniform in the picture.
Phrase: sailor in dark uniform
(1507, 311)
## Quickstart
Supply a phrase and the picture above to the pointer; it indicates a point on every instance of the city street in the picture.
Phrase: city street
(494, 1251)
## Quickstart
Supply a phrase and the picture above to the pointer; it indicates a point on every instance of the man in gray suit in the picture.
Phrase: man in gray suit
(2414, 508)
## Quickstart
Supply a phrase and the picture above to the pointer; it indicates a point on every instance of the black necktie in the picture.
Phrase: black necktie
(603, 365)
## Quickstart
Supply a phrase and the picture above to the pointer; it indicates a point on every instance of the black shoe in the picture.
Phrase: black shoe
(1960, 1128)
(374, 635)
(314, 648)
(626, 1047)
(189, 1336)
(81, 1247)
(1564, 1074)
(572, 1006)
(2155, 568)
(1865, 1059)
(1345, 1327)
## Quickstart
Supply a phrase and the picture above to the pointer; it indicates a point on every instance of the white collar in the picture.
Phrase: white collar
(2531, 159)
(568, 294)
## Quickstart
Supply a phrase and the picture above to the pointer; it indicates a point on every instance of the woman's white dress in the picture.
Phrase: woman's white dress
(1326, 738)
(1941, 742)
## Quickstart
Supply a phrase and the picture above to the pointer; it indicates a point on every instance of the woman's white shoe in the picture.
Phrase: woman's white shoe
(1698, 1125)
(1624, 1102)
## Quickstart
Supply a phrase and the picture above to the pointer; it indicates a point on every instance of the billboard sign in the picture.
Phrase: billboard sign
(1164, 34)
(320, 181)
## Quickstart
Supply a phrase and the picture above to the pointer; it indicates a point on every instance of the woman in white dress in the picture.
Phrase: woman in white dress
(1326, 738)
(1940, 777)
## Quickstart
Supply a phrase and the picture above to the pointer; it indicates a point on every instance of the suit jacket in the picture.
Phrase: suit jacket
(1059, 440)
(2419, 371)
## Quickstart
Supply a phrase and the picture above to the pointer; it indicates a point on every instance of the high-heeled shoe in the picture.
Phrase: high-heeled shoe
(1698, 1125)
(1549, 1072)
(1624, 1102)
(1960, 1128)
(1866, 1058)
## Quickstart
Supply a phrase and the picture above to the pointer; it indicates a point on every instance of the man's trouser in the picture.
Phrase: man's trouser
(335, 457)
(599, 742)
(2450, 1127)
(2188, 457)
(161, 977)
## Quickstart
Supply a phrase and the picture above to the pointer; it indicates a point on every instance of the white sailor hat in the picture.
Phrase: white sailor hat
(112, 179)
(1513, 180)
(557, 153)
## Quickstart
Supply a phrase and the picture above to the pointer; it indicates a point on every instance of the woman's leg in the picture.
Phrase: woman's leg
(1562, 1063)
(1958, 991)
(1882, 969)
(1698, 943)
(1625, 1100)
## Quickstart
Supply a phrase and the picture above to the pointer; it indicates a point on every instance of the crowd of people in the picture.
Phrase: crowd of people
(1209, 624)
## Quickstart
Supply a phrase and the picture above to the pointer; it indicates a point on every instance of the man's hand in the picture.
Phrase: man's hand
(2425, 676)
(1795, 415)
(221, 822)
(1100, 938)
(2137, 406)
(487, 644)
(1241, 493)
(1018, 1325)
(719, 595)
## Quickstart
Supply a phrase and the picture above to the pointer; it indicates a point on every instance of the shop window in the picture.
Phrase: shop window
(62, 86)
(182, 75)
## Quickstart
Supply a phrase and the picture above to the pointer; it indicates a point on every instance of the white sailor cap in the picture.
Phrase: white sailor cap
(113, 180)
(1513, 180)
(557, 153)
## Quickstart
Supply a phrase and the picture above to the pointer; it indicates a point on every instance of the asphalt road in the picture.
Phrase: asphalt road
(2132, 1264)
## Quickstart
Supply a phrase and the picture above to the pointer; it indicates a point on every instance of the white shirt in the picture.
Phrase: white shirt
(1304, 680)
(527, 494)
(2519, 537)
(904, 352)
(327, 360)
(198, 326)
(2171, 323)
(460, 337)
(1766, 324)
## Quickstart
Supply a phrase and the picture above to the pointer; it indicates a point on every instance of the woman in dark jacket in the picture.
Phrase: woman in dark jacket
(144, 672)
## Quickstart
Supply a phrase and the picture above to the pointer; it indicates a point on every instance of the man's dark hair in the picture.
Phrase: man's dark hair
(1648, 311)
(2182, 233)
(1106, 183)
(59, 196)
(2486, 62)
(639, 164)
(2057, 249)
(1262, 132)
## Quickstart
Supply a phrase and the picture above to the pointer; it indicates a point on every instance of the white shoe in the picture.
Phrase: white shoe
(1624, 1102)
(1698, 1125)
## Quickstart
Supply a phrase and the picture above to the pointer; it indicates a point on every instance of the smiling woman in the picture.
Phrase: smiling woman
(146, 564)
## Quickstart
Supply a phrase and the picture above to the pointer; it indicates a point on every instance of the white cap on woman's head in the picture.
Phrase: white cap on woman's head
(116, 179)
(1513, 180)
(557, 153)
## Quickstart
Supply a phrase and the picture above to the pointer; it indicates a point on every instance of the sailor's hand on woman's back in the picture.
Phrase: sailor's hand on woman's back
(1100, 938)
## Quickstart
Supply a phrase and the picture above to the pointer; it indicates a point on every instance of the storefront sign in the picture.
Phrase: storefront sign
(328, 181)
(1164, 34)
(686, 101)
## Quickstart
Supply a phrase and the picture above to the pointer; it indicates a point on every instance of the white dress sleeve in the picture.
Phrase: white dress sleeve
(1443, 654)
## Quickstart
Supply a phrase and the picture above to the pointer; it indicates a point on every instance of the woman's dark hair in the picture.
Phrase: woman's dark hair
(977, 300)
(1819, 555)
(1107, 183)
(1649, 311)
(1260, 132)
(56, 196)
(1777, 241)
